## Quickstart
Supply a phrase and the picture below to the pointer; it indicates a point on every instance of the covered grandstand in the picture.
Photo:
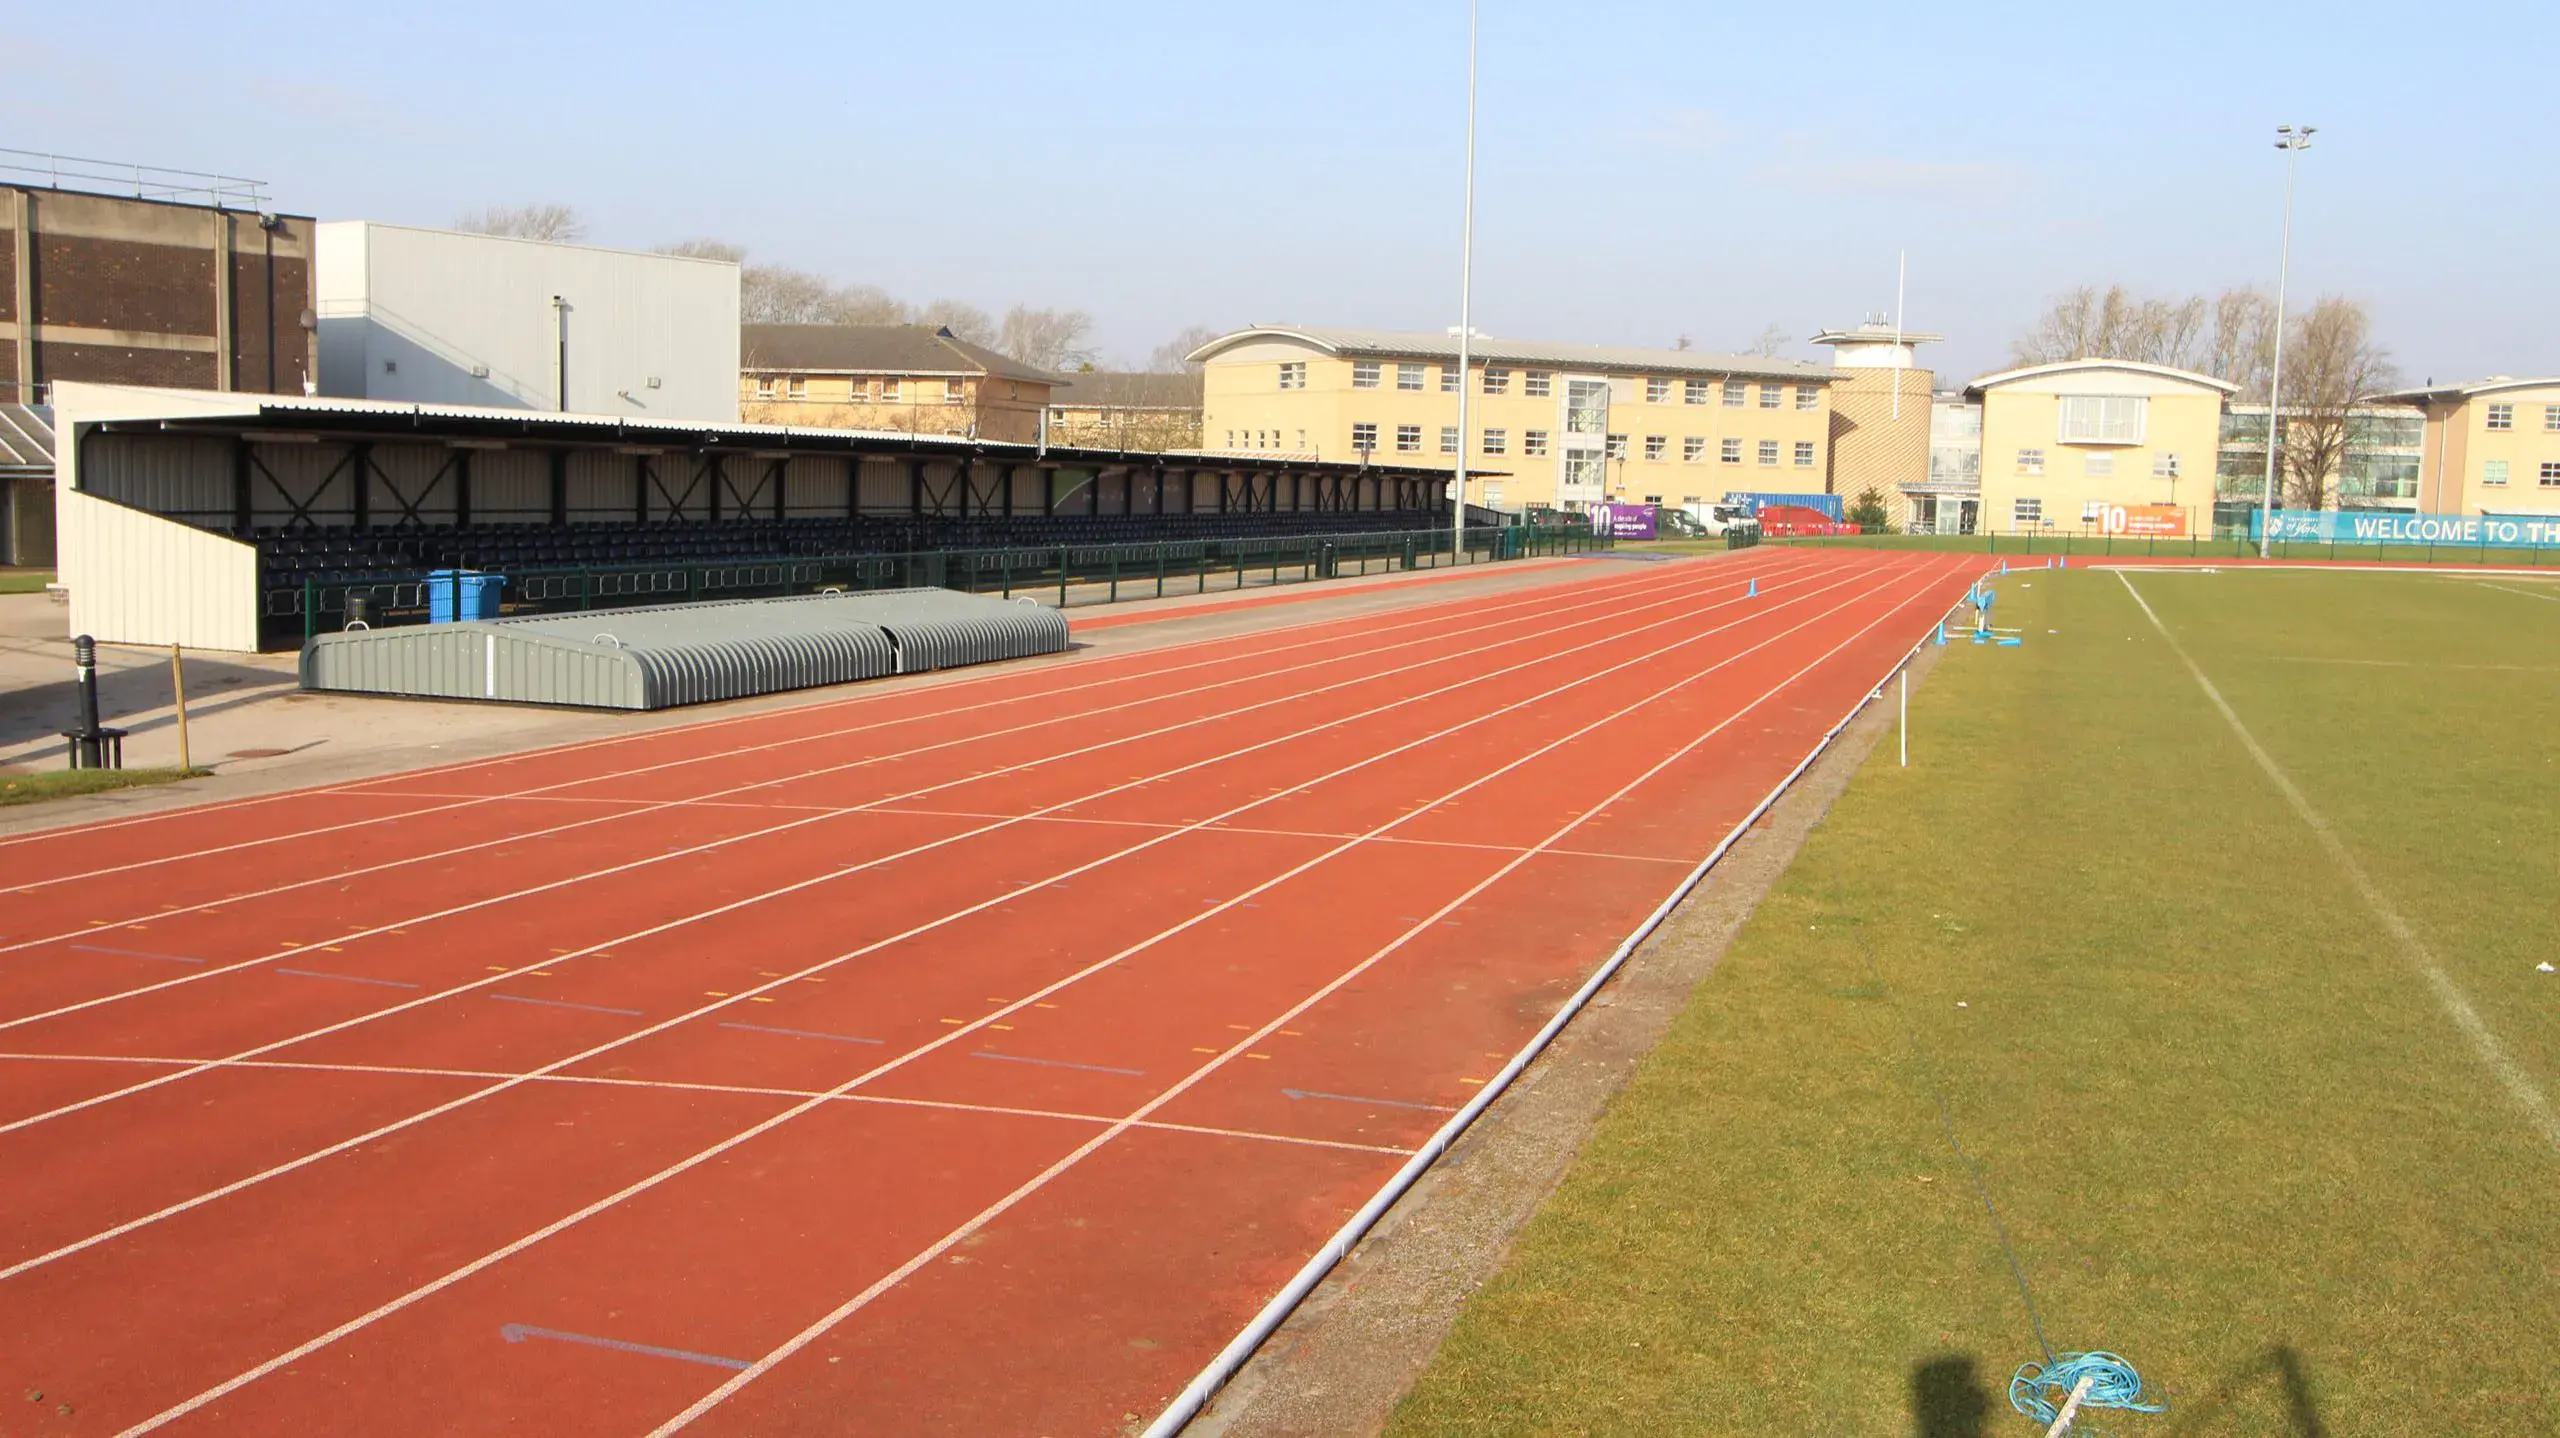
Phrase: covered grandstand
(239, 521)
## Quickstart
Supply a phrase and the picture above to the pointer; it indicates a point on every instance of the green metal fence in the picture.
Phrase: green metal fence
(1066, 575)
(2193, 547)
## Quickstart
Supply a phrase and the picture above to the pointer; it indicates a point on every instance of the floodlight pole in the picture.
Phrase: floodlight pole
(2293, 140)
(1466, 305)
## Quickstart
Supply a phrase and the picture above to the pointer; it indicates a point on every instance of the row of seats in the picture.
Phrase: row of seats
(338, 555)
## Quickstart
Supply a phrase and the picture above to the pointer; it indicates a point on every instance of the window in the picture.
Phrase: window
(1772, 396)
(1735, 393)
(2030, 461)
(1497, 381)
(1693, 448)
(2025, 510)
(2502, 416)
(1768, 451)
(1409, 376)
(1497, 441)
(1537, 384)
(1408, 439)
(2103, 418)
(2164, 465)
(1657, 445)
(2551, 418)
(1658, 391)
(1695, 391)
(764, 386)
(859, 391)
(889, 390)
(1448, 439)
(2493, 473)
(1533, 443)
(1302, 441)
(1804, 454)
(2551, 474)
(1448, 379)
(1808, 396)
(1615, 445)
(1730, 451)
(954, 391)
(1293, 374)
(1364, 437)
(797, 387)
(2098, 466)
(1364, 374)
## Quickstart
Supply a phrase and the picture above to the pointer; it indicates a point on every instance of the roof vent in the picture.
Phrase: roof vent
(945, 333)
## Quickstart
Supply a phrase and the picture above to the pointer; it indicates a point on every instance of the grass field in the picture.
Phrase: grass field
(46, 784)
(2100, 546)
(24, 581)
(2232, 1129)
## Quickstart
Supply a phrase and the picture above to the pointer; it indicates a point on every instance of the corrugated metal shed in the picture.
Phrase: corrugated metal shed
(657, 658)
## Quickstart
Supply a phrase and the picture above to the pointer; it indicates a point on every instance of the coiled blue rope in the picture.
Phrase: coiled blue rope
(2038, 1390)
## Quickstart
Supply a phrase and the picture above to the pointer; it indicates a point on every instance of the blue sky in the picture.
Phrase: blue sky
(1646, 170)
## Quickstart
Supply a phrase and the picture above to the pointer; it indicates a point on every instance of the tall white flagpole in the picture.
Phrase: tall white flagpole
(1466, 306)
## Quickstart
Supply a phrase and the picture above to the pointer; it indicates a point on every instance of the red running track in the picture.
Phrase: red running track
(975, 1058)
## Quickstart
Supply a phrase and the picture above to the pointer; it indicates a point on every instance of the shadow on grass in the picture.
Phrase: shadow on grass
(2278, 1362)
(1948, 1399)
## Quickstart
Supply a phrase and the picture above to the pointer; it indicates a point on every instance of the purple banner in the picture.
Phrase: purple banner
(1623, 521)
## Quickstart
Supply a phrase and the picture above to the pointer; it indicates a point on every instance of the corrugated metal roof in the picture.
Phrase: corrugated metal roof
(663, 656)
(877, 349)
(1100, 389)
(241, 411)
(1619, 358)
(26, 439)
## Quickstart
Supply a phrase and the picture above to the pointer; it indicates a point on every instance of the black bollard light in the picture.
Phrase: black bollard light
(85, 740)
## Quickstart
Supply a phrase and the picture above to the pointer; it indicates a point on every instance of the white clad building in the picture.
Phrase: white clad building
(448, 318)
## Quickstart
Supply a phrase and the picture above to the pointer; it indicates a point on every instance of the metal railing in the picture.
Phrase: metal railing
(144, 182)
(1070, 575)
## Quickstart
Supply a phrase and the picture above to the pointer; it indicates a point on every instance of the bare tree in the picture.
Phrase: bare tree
(1174, 355)
(706, 248)
(1772, 340)
(781, 295)
(2244, 341)
(865, 305)
(2089, 323)
(1046, 339)
(965, 321)
(559, 224)
(2332, 365)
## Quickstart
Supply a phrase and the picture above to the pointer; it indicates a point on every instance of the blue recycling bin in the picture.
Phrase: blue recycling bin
(462, 594)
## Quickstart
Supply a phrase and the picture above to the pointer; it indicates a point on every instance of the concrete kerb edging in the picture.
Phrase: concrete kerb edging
(1195, 1396)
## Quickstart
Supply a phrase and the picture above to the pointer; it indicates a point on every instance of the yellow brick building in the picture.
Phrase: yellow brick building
(902, 378)
(1560, 426)
(2064, 445)
(2492, 447)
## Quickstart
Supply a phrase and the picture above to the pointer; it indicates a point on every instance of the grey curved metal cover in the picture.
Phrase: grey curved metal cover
(668, 655)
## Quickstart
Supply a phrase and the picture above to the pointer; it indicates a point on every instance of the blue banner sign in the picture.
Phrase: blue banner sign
(2323, 526)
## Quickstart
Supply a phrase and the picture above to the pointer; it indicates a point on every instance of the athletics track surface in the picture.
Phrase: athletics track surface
(973, 1058)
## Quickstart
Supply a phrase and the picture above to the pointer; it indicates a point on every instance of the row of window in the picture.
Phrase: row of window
(1536, 444)
(2164, 465)
(2503, 416)
(890, 391)
(1540, 384)
(2493, 473)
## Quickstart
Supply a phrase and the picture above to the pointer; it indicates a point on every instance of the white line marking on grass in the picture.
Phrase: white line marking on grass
(2457, 1005)
(2527, 593)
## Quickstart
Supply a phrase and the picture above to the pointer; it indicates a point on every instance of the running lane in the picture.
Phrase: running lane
(1075, 1123)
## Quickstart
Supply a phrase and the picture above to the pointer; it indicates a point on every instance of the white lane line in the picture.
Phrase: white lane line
(949, 1036)
(1320, 834)
(1892, 573)
(2456, 1004)
(646, 807)
(1617, 631)
(993, 1211)
(749, 1090)
(1419, 616)
(1659, 596)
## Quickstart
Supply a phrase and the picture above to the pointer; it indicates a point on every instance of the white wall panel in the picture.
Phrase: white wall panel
(137, 578)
